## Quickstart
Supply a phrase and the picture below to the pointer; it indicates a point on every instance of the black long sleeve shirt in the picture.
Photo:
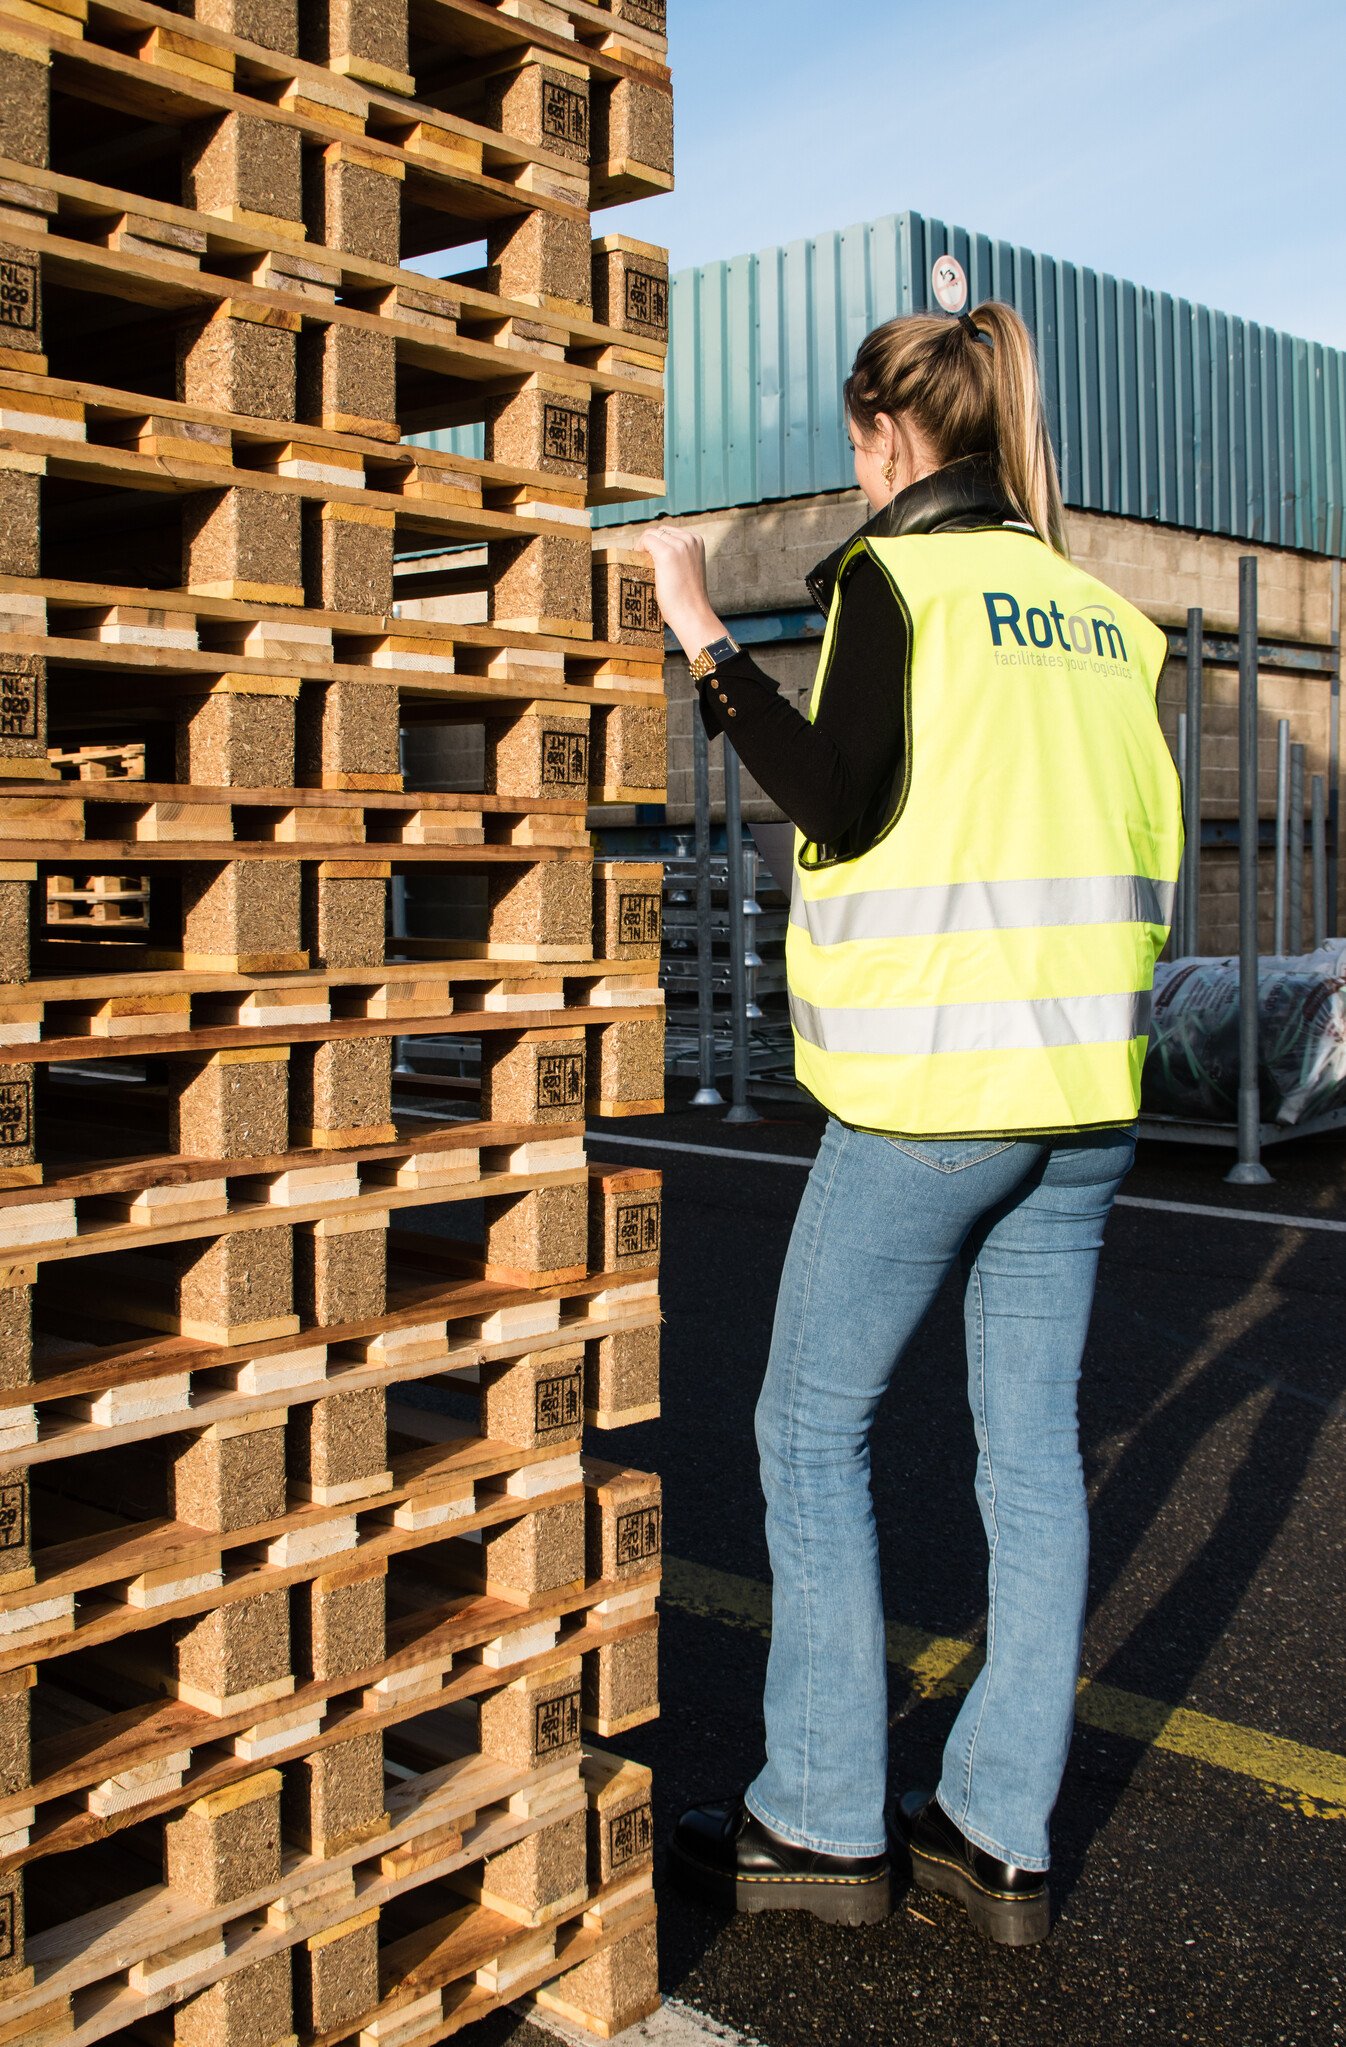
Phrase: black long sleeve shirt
(839, 777)
(830, 775)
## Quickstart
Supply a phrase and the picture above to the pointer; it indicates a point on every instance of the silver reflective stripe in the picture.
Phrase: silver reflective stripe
(983, 906)
(1020, 1026)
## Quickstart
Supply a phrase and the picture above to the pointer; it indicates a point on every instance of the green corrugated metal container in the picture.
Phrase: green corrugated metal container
(1160, 409)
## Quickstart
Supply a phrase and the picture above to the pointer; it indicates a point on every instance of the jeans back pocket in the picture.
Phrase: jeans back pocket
(951, 1154)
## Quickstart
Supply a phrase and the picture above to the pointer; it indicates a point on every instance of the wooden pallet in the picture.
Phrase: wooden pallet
(93, 1389)
(167, 1498)
(97, 1015)
(210, 240)
(119, 900)
(518, 1678)
(93, 762)
(122, 1578)
(435, 346)
(205, 441)
(119, 1965)
(172, 814)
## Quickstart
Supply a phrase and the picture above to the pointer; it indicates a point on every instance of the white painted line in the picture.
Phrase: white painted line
(674, 2025)
(1235, 1215)
(1200, 1208)
(705, 1151)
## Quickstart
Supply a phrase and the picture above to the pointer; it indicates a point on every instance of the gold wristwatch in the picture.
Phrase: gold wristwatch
(709, 659)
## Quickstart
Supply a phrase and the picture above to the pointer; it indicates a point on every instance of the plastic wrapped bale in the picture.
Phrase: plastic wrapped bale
(1192, 1061)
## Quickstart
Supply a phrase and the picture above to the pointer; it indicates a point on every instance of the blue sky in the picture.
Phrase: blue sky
(1196, 146)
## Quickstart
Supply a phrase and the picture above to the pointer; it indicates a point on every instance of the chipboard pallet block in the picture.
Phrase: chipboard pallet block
(311, 1600)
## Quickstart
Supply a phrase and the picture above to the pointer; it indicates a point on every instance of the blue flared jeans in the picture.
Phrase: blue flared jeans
(881, 1224)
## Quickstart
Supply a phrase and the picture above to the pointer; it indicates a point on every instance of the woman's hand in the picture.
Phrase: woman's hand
(679, 559)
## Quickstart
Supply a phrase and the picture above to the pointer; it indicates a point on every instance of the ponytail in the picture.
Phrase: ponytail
(971, 385)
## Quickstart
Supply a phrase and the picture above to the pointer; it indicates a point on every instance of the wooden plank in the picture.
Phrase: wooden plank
(89, 69)
(137, 1369)
(213, 1040)
(165, 670)
(102, 1616)
(93, 200)
(439, 1644)
(146, 281)
(99, 1238)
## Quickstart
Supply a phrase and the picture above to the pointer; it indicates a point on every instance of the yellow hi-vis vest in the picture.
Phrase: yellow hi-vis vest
(985, 968)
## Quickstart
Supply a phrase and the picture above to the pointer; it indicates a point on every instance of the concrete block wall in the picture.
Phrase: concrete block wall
(759, 555)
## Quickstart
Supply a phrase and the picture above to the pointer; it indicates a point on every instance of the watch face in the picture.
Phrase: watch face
(721, 650)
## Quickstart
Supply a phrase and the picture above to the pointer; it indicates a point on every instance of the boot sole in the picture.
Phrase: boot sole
(1008, 1921)
(838, 1900)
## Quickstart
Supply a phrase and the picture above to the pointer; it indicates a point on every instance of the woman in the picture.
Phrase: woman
(988, 838)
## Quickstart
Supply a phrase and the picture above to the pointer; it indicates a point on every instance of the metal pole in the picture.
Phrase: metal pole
(1334, 759)
(1191, 810)
(1282, 829)
(752, 909)
(1319, 815)
(707, 1095)
(1179, 948)
(741, 1110)
(1296, 862)
(1248, 1171)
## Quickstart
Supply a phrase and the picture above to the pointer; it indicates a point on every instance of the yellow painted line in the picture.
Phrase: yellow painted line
(1314, 1778)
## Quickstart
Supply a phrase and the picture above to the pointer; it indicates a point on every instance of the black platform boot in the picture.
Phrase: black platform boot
(1008, 1904)
(724, 1856)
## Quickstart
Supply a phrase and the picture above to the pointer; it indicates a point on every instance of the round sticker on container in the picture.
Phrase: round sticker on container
(948, 281)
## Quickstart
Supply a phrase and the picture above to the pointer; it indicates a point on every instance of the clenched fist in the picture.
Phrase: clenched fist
(679, 559)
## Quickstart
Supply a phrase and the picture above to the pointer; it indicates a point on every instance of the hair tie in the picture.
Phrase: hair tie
(966, 320)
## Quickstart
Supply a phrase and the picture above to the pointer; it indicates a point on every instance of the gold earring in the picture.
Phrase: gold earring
(889, 470)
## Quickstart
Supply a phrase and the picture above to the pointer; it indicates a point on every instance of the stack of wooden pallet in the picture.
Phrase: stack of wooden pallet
(308, 1596)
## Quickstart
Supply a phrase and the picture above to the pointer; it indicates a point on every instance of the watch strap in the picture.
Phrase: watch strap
(710, 657)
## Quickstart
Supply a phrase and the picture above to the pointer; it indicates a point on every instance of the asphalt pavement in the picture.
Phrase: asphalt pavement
(1200, 1841)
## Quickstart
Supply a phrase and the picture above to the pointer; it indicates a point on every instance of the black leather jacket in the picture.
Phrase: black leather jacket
(963, 494)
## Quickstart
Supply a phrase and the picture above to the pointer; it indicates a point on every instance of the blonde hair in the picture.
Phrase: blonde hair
(970, 393)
